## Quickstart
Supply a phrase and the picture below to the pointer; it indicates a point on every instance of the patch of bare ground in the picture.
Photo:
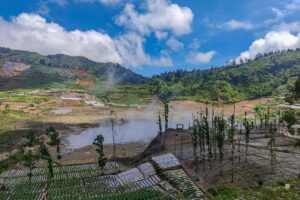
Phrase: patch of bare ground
(246, 174)
(227, 109)
(88, 153)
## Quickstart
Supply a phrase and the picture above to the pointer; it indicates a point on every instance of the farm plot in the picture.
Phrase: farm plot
(88, 181)
(180, 179)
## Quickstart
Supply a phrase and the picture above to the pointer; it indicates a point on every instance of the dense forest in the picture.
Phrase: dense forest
(268, 74)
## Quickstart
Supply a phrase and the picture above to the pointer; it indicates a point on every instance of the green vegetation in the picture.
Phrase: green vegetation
(269, 74)
(290, 118)
(264, 76)
(98, 142)
(275, 190)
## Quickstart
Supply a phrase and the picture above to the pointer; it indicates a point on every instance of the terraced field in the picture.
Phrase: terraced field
(114, 182)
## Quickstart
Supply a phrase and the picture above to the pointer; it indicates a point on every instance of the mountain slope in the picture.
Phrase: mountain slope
(264, 76)
(23, 69)
(268, 74)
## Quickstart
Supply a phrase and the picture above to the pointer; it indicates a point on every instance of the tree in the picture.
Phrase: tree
(207, 134)
(45, 155)
(231, 131)
(98, 142)
(272, 144)
(201, 137)
(31, 140)
(220, 137)
(159, 124)
(53, 135)
(166, 115)
(290, 118)
(195, 147)
(54, 141)
(247, 126)
(29, 159)
(297, 88)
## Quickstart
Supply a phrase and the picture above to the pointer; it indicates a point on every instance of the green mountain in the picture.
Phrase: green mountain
(23, 69)
(266, 75)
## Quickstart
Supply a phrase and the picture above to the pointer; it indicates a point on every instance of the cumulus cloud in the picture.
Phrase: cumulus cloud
(174, 44)
(131, 48)
(273, 40)
(235, 24)
(200, 57)
(32, 32)
(158, 15)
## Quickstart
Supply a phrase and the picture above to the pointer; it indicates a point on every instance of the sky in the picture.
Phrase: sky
(152, 36)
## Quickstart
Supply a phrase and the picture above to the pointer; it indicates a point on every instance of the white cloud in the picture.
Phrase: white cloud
(235, 24)
(288, 9)
(277, 12)
(273, 40)
(131, 49)
(200, 57)
(110, 2)
(105, 2)
(32, 32)
(174, 44)
(159, 15)
(59, 2)
(293, 6)
(293, 27)
(160, 35)
(195, 44)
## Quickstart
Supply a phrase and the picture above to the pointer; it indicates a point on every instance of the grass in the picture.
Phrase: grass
(271, 191)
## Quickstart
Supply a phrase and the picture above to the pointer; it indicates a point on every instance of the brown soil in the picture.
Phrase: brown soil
(246, 174)
(85, 83)
(227, 109)
(88, 154)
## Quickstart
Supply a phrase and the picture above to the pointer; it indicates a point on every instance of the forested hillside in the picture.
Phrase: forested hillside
(266, 75)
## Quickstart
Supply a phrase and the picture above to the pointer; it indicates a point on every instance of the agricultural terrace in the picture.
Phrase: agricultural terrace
(114, 182)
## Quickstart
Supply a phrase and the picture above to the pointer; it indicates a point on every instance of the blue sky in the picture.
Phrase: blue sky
(152, 36)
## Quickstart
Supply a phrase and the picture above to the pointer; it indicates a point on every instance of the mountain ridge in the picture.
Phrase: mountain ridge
(269, 74)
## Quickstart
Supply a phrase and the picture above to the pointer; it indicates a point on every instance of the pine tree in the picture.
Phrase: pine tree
(272, 144)
(239, 148)
(247, 135)
(98, 142)
(159, 123)
(220, 140)
(207, 134)
(201, 139)
(166, 115)
(195, 148)
(231, 141)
